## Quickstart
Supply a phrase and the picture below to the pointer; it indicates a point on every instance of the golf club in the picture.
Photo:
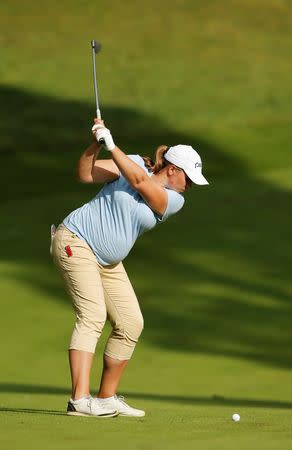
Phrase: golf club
(96, 47)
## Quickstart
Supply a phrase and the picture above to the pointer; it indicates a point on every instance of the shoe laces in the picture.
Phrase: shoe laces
(93, 403)
(121, 398)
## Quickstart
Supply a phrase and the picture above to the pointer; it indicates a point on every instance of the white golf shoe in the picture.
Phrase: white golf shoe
(118, 403)
(91, 407)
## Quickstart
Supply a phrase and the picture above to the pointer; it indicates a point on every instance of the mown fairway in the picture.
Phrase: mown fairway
(215, 281)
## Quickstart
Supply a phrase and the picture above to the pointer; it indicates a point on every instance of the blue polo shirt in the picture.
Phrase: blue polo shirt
(112, 221)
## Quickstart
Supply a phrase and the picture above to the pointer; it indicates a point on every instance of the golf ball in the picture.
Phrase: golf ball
(236, 417)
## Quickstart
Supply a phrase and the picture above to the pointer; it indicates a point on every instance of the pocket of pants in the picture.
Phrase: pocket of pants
(53, 232)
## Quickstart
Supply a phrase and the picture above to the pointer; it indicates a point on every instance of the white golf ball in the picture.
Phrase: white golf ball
(236, 417)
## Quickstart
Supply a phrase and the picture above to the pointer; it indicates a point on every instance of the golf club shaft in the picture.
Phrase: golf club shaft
(98, 113)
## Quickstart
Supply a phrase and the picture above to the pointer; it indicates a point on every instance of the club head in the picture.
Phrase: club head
(96, 46)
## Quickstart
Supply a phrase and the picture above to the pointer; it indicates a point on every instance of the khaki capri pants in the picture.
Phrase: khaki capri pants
(98, 292)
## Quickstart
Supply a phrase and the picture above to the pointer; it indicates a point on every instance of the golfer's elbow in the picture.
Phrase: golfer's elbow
(138, 183)
(84, 178)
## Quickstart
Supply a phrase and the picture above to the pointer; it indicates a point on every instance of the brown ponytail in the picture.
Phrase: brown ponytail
(159, 162)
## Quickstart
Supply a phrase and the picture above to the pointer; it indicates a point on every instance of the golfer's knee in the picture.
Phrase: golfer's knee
(137, 328)
(86, 333)
(94, 326)
(131, 331)
(123, 339)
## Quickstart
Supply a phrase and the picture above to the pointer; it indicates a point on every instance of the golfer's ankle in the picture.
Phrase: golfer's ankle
(77, 395)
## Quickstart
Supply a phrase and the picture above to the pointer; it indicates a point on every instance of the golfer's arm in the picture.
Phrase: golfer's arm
(92, 170)
(133, 173)
(154, 194)
(86, 163)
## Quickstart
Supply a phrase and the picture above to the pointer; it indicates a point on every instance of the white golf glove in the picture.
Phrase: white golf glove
(102, 133)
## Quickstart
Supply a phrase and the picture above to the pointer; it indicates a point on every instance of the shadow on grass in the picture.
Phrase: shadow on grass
(215, 279)
(33, 411)
(214, 400)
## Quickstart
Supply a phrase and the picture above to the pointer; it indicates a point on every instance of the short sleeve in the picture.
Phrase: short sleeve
(174, 204)
(138, 160)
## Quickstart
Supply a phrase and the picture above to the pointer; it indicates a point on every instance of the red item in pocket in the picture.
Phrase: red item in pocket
(68, 250)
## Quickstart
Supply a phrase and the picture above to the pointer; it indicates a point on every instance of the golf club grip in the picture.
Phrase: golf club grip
(101, 141)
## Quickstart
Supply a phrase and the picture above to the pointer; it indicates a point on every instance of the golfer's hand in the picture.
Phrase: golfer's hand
(104, 134)
(98, 124)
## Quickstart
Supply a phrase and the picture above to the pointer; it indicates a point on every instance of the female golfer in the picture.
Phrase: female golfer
(88, 249)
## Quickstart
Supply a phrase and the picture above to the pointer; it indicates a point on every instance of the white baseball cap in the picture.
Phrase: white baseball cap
(186, 158)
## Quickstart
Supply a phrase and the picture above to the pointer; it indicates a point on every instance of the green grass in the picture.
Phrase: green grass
(214, 282)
